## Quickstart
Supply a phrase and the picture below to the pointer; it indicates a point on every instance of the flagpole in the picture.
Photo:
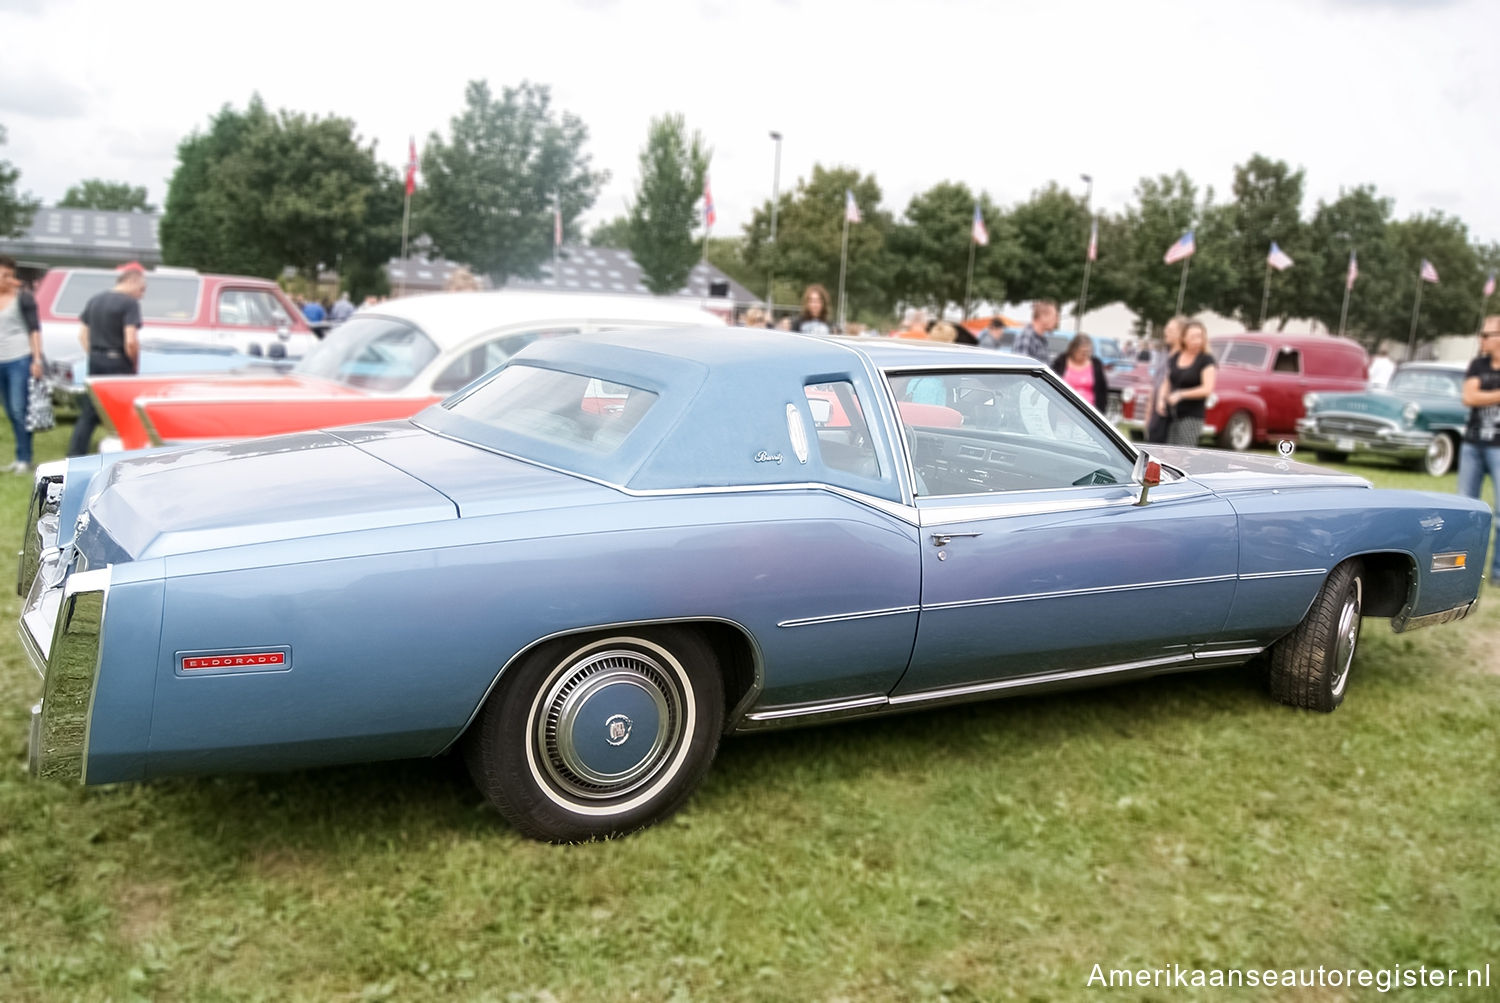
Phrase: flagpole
(556, 236)
(1083, 297)
(1411, 339)
(1182, 286)
(843, 266)
(1344, 310)
(1265, 297)
(405, 221)
(969, 286)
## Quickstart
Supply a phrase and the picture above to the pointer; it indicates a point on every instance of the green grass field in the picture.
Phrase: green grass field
(993, 852)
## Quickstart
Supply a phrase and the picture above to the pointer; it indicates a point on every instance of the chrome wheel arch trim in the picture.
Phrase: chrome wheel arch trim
(731, 717)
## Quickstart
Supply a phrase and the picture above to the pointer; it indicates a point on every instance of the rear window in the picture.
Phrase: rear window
(168, 297)
(572, 410)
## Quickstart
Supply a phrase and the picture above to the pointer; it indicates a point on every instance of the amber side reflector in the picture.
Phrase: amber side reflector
(1448, 562)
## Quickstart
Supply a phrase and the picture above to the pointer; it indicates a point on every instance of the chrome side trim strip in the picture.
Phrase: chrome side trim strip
(1067, 593)
(1400, 625)
(999, 509)
(840, 617)
(825, 707)
(1023, 682)
(1217, 653)
(1283, 574)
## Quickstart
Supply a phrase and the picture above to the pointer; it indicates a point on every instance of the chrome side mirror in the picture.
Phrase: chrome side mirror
(1147, 473)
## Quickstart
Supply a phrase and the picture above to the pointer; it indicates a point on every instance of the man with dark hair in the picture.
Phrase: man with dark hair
(1480, 453)
(1032, 340)
(110, 334)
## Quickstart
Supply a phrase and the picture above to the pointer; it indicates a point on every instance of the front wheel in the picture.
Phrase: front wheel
(1441, 455)
(1310, 666)
(592, 737)
(1239, 432)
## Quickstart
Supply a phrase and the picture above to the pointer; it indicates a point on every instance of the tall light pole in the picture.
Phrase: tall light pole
(775, 197)
(1088, 206)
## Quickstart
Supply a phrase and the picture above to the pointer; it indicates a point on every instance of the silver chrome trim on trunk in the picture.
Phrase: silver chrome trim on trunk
(62, 718)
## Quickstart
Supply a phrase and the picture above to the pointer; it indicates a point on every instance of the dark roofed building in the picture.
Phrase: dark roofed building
(88, 237)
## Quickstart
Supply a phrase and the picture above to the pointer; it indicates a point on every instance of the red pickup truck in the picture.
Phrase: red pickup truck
(181, 306)
(1261, 380)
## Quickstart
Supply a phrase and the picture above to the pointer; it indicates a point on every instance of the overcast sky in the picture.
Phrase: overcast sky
(1005, 96)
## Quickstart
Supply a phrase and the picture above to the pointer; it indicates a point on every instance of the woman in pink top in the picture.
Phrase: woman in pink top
(1081, 371)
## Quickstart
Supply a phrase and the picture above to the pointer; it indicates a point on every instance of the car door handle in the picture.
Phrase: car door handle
(943, 539)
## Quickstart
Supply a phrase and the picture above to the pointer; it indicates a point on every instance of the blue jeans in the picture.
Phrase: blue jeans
(1473, 463)
(14, 376)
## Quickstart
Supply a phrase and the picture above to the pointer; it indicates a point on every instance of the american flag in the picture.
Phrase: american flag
(411, 167)
(981, 235)
(1184, 248)
(1428, 273)
(1489, 286)
(851, 207)
(1353, 271)
(709, 216)
(1278, 259)
(1094, 241)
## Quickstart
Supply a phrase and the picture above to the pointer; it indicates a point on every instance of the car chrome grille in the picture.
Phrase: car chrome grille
(1343, 424)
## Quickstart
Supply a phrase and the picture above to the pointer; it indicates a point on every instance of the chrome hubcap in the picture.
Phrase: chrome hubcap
(1439, 455)
(1347, 639)
(608, 723)
(1240, 433)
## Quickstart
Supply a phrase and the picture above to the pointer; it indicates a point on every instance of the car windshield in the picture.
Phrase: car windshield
(1428, 383)
(572, 410)
(380, 354)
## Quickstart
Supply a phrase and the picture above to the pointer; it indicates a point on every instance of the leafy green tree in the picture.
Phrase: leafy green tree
(1132, 246)
(615, 233)
(1357, 221)
(664, 213)
(1448, 307)
(488, 188)
(16, 210)
(258, 192)
(932, 248)
(1051, 232)
(203, 225)
(1267, 207)
(117, 196)
(809, 231)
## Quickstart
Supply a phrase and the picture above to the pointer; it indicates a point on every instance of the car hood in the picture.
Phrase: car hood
(286, 487)
(1224, 471)
(1381, 403)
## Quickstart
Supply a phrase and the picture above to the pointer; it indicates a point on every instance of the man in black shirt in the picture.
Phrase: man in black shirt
(1480, 453)
(111, 324)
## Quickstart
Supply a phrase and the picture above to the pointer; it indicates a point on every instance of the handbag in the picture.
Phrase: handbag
(39, 416)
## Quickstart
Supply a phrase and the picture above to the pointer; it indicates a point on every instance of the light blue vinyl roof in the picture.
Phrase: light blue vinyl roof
(722, 402)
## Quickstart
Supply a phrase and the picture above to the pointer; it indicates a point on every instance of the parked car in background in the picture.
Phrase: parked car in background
(181, 307)
(388, 361)
(1418, 418)
(591, 563)
(1262, 379)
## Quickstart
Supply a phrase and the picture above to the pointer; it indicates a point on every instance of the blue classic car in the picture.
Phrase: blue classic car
(1418, 419)
(589, 565)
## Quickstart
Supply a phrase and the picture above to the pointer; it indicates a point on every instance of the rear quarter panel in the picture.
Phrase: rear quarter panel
(395, 636)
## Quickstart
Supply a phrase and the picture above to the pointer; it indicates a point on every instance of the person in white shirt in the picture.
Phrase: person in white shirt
(1381, 369)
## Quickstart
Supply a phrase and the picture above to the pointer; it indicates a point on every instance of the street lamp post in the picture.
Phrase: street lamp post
(775, 198)
(1088, 205)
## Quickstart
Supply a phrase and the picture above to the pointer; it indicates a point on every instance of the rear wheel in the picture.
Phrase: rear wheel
(1441, 453)
(1310, 666)
(592, 737)
(1239, 432)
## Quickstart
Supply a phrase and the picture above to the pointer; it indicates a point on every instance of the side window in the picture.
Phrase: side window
(843, 436)
(251, 308)
(990, 432)
(488, 355)
(1288, 360)
(1242, 355)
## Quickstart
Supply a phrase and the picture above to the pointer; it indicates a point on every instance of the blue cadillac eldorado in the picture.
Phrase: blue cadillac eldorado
(589, 565)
